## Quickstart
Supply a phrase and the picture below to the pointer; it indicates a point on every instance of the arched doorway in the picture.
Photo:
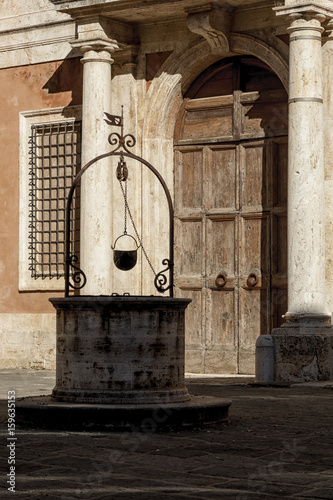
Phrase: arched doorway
(230, 206)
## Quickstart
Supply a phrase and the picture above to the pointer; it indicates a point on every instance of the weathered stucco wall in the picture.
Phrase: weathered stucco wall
(10, 8)
(27, 341)
(26, 88)
(27, 321)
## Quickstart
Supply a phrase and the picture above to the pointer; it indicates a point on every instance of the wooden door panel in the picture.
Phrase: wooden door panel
(220, 359)
(222, 332)
(208, 118)
(222, 305)
(218, 123)
(254, 299)
(254, 313)
(195, 333)
(250, 316)
(279, 305)
(188, 176)
(263, 114)
(253, 181)
(195, 318)
(221, 313)
(254, 309)
(254, 246)
(220, 85)
(280, 172)
(279, 280)
(279, 251)
(260, 121)
(221, 170)
(188, 248)
(220, 246)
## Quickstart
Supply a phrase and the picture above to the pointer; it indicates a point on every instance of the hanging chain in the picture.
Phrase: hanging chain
(125, 205)
(127, 209)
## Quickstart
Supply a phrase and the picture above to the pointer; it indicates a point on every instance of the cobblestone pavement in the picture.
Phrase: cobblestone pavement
(278, 444)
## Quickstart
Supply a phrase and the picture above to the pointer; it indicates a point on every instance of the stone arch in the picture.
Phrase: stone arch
(181, 69)
(164, 99)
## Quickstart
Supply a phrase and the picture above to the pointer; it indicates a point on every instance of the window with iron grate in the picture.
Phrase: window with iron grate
(54, 161)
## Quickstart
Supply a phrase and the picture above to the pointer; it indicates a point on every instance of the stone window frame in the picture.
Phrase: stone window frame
(26, 120)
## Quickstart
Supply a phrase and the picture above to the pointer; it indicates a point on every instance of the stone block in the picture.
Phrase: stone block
(303, 353)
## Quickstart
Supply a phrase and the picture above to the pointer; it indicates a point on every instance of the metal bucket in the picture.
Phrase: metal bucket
(125, 259)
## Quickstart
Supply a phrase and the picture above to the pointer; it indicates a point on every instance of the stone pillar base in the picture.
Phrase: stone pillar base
(303, 353)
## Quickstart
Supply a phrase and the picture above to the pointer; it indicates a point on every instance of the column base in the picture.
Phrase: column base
(303, 352)
(314, 320)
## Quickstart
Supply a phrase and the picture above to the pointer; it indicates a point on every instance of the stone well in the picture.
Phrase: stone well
(120, 366)
(116, 349)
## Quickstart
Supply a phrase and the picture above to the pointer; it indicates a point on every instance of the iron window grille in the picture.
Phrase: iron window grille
(54, 161)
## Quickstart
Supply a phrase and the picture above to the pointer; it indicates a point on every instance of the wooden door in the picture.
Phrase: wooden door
(230, 207)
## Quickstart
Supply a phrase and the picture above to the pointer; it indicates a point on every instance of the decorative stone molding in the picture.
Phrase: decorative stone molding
(97, 34)
(213, 23)
(329, 29)
(92, 36)
(126, 59)
(296, 9)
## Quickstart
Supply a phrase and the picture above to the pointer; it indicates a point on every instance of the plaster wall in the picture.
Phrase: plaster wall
(35, 87)
(27, 341)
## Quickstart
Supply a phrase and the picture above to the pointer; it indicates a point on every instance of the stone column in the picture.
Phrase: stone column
(125, 92)
(306, 228)
(96, 183)
(303, 347)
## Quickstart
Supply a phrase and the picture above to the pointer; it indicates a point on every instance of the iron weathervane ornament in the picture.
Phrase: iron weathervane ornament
(123, 259)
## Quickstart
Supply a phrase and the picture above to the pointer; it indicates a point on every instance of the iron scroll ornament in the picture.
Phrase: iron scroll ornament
(121, 150)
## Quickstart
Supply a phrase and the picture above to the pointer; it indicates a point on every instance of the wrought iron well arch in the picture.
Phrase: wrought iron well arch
(122, 144)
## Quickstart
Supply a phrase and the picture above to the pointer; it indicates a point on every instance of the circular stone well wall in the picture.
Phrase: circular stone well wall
(117, 349)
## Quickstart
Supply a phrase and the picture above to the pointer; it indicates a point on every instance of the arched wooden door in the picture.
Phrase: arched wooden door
(230, 208)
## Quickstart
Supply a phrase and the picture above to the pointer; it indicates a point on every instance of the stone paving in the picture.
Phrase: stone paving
(278, 444)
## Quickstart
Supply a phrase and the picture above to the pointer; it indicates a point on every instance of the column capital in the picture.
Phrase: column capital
(93, 36)
(320, 10)
(96, 50)
(95, 45)
(126, 59)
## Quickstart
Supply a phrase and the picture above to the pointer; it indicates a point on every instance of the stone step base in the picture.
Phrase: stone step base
(120, 397)
(41, 412)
